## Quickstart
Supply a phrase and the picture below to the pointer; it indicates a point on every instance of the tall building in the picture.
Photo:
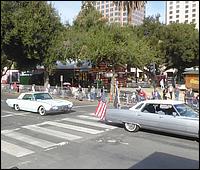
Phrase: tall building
(182, 12)
(114, 14)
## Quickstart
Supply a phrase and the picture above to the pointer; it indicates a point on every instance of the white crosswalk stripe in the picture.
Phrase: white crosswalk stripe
(29, 139)
(51, 132)
(14, 150)
(88, 117)
(77, 128)
(97, 124)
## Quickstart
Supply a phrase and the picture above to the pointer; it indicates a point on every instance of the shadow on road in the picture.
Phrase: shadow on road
(159, 160)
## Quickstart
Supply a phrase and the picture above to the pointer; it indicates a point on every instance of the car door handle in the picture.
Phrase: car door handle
(161, 117)
(139, 115)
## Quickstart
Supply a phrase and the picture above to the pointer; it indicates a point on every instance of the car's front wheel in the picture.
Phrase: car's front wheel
(131, 127)
(16, 106)
(42, 111)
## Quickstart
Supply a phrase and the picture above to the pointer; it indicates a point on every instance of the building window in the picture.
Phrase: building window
(170, 22)
(102, 6)
(186, 16)
(186, 21)
(170, 7)
(186, 2)
(98, 8)
(177, 16)
(170, 17)
(116, 13)
(111, 19)
(177, 21)
(193, 5)
(102, 2)
(177, 2)
(177, 11)
(107, 10)
(107, 15)
(111, 9)
(177, 6)
(124, 14)
(111, 14)
(107, 1)
(170, 12)
(171, 3)
(186, 6)
(193, 10)
(193, 15)
(124, 19)
(186, 11)
(116, 8)
(193, 20)
(107, 6)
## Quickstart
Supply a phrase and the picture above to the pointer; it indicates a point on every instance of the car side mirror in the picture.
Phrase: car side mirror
(174, 114)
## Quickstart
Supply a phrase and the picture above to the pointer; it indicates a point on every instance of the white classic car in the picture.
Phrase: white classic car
(41, 102)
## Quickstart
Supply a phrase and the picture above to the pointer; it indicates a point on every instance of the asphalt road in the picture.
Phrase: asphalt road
(79, 140)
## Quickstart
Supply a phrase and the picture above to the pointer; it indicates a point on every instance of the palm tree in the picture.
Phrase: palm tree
(131, 6)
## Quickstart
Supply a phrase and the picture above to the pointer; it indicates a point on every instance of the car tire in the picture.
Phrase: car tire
(16, 107)
(131, 127)
(41, 111)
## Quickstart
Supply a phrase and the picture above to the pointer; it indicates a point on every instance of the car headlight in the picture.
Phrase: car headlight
(70, 105)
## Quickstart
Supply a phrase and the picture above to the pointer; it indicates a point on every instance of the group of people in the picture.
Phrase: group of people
(167, 93)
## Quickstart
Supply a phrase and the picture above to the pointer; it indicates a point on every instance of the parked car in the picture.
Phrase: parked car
(160, 115)
(41, 102)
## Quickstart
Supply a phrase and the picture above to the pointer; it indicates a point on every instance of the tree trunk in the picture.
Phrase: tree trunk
(130, 13)
(46, 78)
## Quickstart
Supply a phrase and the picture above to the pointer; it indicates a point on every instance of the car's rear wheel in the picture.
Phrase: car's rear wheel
(16, 106)
(42, 111)
(131, 127)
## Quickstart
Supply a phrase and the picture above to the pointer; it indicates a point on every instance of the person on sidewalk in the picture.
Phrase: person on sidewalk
(93, 90)
(165, 91)
(176, 92)
(89, 93)
(156, 94)
(170, 91)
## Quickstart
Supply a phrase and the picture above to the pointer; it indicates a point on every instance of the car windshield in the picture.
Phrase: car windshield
(185, 110)
(42, 96)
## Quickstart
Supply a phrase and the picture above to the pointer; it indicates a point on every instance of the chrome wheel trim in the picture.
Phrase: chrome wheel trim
(131, 127)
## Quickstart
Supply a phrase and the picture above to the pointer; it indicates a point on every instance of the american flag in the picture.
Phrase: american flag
(101, 108)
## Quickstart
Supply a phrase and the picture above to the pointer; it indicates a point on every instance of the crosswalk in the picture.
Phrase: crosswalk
(29, 139)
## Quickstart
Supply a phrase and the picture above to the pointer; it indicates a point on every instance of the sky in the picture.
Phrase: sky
(68, 10)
